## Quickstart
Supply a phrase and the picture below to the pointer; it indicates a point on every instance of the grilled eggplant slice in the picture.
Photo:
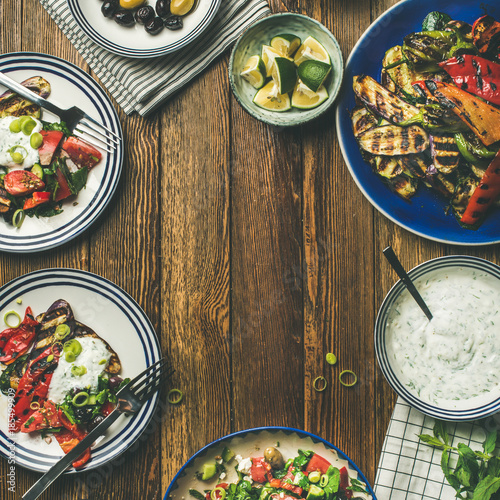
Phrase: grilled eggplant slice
(13, 105)
(387, 166)
(462, 195)
(444, 151)
(362, 120)
(416, 165)
(404, 186)
(381, 101)
(392, 140)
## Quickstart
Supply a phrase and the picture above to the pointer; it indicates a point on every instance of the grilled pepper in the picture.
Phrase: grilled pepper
(14, 342)
(486, 35)
(436, 119)
(476, 75)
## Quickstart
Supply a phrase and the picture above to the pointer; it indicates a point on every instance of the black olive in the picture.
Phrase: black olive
(83, 414)
(154, 26)
(163, 8)
(95, 422)
(125, 18)
(173, 23)
(144, 14)
(115, 381)
(109, 8)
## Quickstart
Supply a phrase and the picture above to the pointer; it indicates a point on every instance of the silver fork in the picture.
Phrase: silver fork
(77, 121)
(131, 397)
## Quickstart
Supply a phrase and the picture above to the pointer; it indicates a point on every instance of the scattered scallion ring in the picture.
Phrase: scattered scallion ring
(331, 359)
(50, 357)
(62, 331)
(314, 476)
(35, 405)
(348, 372)
(222, 493)
(320, 384)
(18, 218)
(324, 480)
(80, 399)
(78, 371)
(7, 315)
(59, 346)
(174, 396)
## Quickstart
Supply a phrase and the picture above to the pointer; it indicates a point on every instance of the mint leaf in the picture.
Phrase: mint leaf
(431, 440)
(440, 431)
(448, 474)
(486, 488)
(490, 442)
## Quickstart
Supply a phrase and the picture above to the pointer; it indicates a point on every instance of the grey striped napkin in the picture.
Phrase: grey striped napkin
(144, 84)
(411, 470)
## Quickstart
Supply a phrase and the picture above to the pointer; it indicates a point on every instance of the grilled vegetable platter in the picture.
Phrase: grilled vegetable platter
(418, 119)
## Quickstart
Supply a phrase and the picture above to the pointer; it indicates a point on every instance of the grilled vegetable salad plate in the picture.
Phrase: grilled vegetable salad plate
(53, 185)
(69, 340)
(422, 120)
(269, 463)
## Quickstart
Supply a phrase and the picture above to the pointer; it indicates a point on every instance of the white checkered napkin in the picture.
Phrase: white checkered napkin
(410, 469)
(144, 84)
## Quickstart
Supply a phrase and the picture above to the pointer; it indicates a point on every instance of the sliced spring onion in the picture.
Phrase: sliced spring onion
(320, 384)
(62, 331)
(72, 346)
(18, 218)
(50, 357)
(78, 371)
(348, 373)
(222, 493)
(6, 317)
(35, 405)
(324, 480)
(59, 346)
(69, 357)
(19, 301)
(80, 399)
(314, 476)
(174, 396)
(331, 359)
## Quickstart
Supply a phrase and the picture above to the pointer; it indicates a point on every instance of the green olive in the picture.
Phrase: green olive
(15, 126)
(181, 7)
(36, 140)
(274, 458)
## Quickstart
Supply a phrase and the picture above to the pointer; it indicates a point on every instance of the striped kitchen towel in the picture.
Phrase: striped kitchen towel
(142, 85)
(410, 469)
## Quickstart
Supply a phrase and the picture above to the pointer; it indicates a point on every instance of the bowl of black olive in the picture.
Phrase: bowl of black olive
(143, 28)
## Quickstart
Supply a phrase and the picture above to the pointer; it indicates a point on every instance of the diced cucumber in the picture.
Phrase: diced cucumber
(208, 471)
(227, 454)
(315, 493)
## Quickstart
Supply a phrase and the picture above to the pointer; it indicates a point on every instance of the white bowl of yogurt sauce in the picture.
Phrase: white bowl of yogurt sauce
(449, 367)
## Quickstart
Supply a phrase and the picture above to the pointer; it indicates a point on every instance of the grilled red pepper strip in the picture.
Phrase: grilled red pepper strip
(484, 195)
(34, 385)
(486, 34)
(69, 437)
(44, 418)
(476, 75)
(14, 342)
(344, 483)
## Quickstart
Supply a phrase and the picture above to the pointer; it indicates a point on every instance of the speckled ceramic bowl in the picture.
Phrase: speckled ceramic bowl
(260, 33)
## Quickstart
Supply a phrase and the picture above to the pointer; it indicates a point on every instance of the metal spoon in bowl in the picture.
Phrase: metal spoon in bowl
(396, 265)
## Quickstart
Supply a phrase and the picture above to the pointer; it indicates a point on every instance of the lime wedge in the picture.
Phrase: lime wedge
(314, 73)
(311, 49)
(268, 98)
(284, 74)
(285, 44)
(304, 98)
(254, 71)
(268, 56)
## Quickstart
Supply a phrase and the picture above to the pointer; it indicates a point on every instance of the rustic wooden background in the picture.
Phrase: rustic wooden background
(254, 254)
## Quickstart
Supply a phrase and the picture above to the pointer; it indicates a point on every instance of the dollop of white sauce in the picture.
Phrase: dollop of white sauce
(456, 355)
(10, 139)
(63, 381)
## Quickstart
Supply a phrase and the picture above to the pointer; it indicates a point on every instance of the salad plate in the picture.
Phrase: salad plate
(118, 320)
(426, 214)
(135, 41)
(252, 443)
(70, 86)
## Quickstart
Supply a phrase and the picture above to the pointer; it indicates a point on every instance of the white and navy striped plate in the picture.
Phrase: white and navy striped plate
(135, 41)
(113, 315)
(471, 409)
(70, 87)
(252, 443)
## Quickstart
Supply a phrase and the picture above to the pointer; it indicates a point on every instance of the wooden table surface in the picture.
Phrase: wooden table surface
(253, 253)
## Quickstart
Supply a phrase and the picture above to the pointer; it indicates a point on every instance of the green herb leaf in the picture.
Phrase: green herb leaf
(448, 474)
(196, 494)
(432, 441)
(440, 431)
(490, 442)
(486, 488)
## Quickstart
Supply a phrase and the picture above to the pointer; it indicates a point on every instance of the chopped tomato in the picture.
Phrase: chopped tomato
(63, 190)
(81, 153)
(107, 408)
(259, 470)
(22, 183)
(318, 463)
(38, 198)
(287, 485)
(51, 139)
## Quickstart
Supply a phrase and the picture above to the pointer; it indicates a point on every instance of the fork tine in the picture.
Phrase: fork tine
(89, 118)
(136, 386)
(153, 385)
(144, 373)
(91, 127)
(85, 137)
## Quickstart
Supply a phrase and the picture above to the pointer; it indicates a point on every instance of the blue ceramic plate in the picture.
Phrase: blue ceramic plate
(425, 214)
(114, 316)
(70, 86)
(252, 443)
(470, 409)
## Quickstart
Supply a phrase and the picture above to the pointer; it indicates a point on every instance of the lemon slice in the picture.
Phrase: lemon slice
(254, 71)
(311, 49)
(314, 73)
(268, 56)
(304, 98)
(268, 98)
(284, 74)
(285, 44)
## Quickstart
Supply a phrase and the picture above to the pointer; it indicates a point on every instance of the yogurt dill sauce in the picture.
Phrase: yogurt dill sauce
(456, 355)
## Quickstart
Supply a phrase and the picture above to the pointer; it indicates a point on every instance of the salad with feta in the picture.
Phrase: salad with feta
(41, 163)
(65, 376)
(272, 477)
